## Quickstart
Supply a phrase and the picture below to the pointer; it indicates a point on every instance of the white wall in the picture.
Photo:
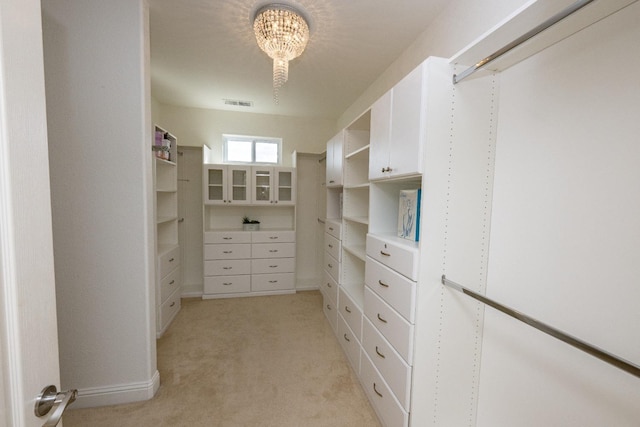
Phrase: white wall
(98, 107)
(198, 127)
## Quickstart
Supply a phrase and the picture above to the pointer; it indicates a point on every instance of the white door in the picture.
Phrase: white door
(28, 329)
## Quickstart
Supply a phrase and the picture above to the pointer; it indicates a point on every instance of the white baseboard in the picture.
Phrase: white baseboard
(119, 394)
(194, 290)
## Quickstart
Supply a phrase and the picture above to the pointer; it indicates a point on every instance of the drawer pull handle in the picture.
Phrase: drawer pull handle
(347, 309)
(378, 353)
(346, 339)
(376, 390)
(329, 285)
(273, 281)
(227, 268)
(273, 237)
(383, 284)
(329, 307)
(227, 238)
(228, 283)
(331, 182)
(171, 260)
(172, 282)
(330, 266)
(381, 319)
(172, 304)
(273, 266)
(330, 246)
(331, 228)
(227, 252)
(384, 253)
(273, 250)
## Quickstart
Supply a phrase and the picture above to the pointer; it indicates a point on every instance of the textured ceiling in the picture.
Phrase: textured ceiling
(204, 51)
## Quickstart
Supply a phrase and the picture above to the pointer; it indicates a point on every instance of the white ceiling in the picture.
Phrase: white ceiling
(204, 51)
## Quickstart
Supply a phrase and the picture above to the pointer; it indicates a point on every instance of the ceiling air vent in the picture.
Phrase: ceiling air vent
(238, 103)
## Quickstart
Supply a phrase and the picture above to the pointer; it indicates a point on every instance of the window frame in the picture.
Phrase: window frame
(253, 139)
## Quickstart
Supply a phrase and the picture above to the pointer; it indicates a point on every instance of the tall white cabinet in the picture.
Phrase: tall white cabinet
(168, 276)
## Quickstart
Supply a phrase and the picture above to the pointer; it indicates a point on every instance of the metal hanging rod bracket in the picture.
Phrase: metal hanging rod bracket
(523, 38)
(549, 330)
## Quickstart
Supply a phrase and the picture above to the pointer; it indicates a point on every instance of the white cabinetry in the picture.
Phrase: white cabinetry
(226, 184)
(273, 185)
(168, 275)
(400, 120)
(335, 160)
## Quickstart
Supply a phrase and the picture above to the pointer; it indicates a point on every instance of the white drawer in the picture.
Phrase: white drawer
(351, 313)
(169, 309)
(334, 228)
(272, 282)
(332, 245)
(403, 259)
(169, 284)
(383, 400)
(168, 261)
(227, 284)
(332, 267)
(227, 267)
(274, 265)
(240, 251)
(227, 237)
(273, 236)
(393, 368)
(397, 291)
(394, 327)
(329, 286)
(350, 344)
(330, 311)
(273, 250)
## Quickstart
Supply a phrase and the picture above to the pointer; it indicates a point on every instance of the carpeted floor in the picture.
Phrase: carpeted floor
(250, 362)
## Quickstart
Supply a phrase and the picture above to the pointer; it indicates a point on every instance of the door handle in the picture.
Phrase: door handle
(50, 398)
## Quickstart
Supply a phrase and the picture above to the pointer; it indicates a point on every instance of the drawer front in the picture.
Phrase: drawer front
(169, 308)
(334, 228)
(273, 250)
(272, 282)
(169, 284)
(391, 366)
(227, 267)
(330, 312)
(288, 236)
(329, 286)
(385, 404)
(397, 291)
(332, 267)
(349, 343)
(394, 327)
(274, 265)
(211, 237)
(168, 261)
(227, 284)
(240, 251)
(332, 245)
(402, 259)
(351, 313)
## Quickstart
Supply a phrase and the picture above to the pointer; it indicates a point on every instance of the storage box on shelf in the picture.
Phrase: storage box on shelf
(168, 276)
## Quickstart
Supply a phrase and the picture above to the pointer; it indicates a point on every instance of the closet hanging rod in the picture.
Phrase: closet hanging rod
(523, 38)
(549, 330)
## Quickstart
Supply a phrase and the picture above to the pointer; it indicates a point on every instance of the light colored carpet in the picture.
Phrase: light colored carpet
(254, 362)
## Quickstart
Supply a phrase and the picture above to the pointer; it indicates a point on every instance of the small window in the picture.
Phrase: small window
(250, 149)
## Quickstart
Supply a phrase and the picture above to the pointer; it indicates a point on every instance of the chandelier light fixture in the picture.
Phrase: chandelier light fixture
(282, 33)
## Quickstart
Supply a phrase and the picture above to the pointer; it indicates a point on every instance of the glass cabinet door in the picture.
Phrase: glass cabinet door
(285, 190)
(262, 179)
(239, 184)
(214, 188)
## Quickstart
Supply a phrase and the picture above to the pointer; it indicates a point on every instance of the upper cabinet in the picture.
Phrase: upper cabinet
(335, 160)
(273, 185)
(400, 118)
(227, 184)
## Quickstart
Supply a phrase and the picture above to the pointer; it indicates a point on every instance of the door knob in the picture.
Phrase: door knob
(50, 398)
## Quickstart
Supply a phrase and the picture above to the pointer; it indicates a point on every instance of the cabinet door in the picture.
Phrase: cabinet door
(334, 160)
(285, 186)
(239, 184)
(214, 184)
(379, 137)
(262, 185)
(407, 133)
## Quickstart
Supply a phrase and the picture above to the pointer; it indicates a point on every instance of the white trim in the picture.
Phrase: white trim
(249, 294)
(119, 394)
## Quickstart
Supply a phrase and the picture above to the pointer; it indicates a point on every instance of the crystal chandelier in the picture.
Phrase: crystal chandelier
(282, 33)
